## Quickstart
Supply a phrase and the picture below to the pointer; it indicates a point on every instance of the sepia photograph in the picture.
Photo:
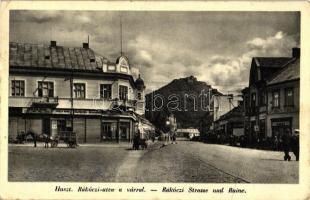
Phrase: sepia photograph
(154, 96)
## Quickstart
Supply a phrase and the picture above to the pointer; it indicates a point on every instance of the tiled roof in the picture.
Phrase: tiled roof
(269, 66)
(58, 57)
(290, 72)
(273, 62)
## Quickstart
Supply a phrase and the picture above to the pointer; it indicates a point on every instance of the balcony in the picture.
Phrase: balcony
(45, 102)
(124, 105)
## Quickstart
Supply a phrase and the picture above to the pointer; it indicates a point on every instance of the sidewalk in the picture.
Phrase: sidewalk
(101, 145)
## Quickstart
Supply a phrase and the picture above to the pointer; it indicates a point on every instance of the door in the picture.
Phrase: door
(124, 130)
(46, 126)
(61, 125)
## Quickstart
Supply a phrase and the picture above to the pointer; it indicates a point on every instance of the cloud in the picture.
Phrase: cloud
(278, 44)
(233, 73)
(169, 45)
(39, 17)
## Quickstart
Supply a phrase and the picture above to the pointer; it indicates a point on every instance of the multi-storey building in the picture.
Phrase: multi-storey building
(283, 98)
(50, 85)
(269, 87)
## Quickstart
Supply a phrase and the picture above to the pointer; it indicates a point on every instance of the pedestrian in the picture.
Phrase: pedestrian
(275, 143)
(136, 140)
(34, 139)
(295, 145)
(286, 146)
(46, 140)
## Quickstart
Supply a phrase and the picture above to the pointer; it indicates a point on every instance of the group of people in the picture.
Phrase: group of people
(138, 141)
(290, 143)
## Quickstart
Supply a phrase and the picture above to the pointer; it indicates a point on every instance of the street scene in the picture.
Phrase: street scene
(174, 97)
(185, 161)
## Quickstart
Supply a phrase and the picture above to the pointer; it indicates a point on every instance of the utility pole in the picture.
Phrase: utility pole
(121, 33)
(71, 97)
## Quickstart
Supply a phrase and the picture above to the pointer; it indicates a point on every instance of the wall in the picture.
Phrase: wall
(281, 88)
(62, 90)
(283, 111)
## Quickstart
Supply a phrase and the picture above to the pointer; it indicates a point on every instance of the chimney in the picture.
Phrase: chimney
(53, 43)
(85, 45)
(296, 52)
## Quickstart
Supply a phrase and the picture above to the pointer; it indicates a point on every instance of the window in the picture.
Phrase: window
(45, 89)
(124, 69)
(106, 91)
(262, 100)
(289, 97)
(262, 125)
(123, 92)
(79, 90)
(276, 99)
(124, 65)
(18, 88)
(139, 96)
(253, 102)
(111, 68)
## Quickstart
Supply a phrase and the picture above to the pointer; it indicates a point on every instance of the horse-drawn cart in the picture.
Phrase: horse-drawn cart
(68, 137)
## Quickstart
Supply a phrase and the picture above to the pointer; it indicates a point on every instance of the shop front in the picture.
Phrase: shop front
(281, 126)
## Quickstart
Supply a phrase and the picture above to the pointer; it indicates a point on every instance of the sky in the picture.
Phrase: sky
(215, 47)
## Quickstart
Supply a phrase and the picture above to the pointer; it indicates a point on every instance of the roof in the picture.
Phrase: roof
(273, 62)
(264, 68)
(58, 57)
(235, 114)
(290, 72)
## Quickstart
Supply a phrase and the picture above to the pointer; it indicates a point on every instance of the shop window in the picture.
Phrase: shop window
(276, 99)
(18, 88)
(106, 91)
(79, 90)
(123, 92)
(289, 97)
(45, 89)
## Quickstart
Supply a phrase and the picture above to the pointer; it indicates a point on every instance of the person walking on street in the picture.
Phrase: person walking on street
(34, 140)
(275, 143)
(295, 145)
(136, 140)
(286, 146)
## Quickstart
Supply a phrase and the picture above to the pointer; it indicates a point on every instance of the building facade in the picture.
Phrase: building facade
(55, 88)
(231, 123)
(221, 105)
(283, 95)
(262, 98)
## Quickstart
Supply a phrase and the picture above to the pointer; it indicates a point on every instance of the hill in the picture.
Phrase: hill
(187, 98)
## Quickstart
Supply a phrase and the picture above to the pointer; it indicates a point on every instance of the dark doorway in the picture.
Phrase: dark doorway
(46, 126)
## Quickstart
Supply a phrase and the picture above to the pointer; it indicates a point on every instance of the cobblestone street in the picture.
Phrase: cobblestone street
(183, 162)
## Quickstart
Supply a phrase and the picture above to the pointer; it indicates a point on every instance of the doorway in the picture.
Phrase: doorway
(46, 126)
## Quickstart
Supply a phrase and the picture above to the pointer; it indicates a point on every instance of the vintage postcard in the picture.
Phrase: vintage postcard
(155, 100)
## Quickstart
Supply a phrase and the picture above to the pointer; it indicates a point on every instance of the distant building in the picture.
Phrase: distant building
(222, 104)
(271, 102)
(231, 123)
(104, 99)
(188, 132)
